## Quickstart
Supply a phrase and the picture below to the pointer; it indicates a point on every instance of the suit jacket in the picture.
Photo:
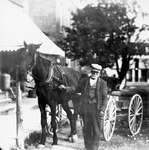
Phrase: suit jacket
(101, 91)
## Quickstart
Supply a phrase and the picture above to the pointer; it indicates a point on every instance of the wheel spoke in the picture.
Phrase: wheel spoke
(114, 109)
(140, 109)
(135, 103)
(107, 130)
(131, 120)
(138, 114)
(112, 119)
(133, 106)
(132, 110)
(139, 104)
(132, 124)
(110, 128)
(106, 127)
(131, 115)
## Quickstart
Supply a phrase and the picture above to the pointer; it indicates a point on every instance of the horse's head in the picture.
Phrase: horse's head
(39, 64)
(27, 55)
(44, 67)
(30, 51)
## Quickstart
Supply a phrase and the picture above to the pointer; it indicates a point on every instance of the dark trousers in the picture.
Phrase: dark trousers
(91, 130)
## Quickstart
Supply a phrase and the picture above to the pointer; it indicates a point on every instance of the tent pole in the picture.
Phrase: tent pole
(19, 119)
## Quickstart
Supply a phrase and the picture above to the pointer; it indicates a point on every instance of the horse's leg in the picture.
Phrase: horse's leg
(43, 120)
(73, 133)
(53, 122)
(76, 107)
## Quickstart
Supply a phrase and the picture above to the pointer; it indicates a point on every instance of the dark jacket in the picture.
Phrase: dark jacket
(100, 91)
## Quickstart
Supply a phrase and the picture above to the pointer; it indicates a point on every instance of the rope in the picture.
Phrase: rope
(62, 73)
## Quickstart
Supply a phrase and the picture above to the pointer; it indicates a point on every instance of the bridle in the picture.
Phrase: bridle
(30, 66)
(52, 80)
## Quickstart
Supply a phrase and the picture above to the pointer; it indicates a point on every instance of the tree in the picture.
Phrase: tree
(103, 34)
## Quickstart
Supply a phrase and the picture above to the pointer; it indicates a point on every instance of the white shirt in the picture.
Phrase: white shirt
(93, 81)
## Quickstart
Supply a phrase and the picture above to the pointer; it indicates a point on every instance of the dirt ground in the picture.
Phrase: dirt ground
(121, 140)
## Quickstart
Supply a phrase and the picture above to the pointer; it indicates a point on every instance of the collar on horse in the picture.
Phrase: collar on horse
(51, 74)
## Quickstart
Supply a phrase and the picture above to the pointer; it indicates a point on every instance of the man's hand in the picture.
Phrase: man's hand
(101, 112)
(78, 93)
(62, 86)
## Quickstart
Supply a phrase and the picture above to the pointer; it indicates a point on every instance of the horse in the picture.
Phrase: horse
(48, 77)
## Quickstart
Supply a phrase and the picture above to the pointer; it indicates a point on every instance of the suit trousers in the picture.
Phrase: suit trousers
(91, 130)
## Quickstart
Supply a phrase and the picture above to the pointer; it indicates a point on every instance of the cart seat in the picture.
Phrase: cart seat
(124, 92)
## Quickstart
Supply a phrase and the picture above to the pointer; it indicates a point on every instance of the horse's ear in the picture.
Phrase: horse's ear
(25, 44)
(39, 45)
(36, 46)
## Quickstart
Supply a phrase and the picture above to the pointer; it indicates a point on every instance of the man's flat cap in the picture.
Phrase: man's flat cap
(96, 67)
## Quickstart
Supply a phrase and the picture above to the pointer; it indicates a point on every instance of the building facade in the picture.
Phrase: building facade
(139, 69)
(51, 15)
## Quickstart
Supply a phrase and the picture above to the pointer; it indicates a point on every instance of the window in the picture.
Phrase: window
(129, 77)
(144, 75)
(136, 63)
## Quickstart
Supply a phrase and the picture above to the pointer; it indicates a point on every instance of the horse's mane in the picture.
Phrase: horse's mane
(70, 76)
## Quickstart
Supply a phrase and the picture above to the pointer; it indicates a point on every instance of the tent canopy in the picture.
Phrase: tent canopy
(16, 27)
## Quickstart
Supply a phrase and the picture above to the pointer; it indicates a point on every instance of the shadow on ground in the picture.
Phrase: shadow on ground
(33, 139)
(121, 140)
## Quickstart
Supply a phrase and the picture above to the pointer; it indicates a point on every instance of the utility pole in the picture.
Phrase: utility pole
(19, 119)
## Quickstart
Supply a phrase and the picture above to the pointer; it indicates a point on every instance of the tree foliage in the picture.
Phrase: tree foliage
(102, 34)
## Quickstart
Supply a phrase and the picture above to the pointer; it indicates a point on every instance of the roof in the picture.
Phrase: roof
(17, 27)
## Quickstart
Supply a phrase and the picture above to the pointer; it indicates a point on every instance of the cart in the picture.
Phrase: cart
(130, 104)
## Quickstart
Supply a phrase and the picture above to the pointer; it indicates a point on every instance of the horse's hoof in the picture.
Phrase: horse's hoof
(70, 139)
(40, 146)
(54, 143)
(73, 138)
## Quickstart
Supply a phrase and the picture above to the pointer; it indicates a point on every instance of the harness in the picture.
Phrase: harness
(55, 76)
(53, 72)
(47, 81)
(62, 79)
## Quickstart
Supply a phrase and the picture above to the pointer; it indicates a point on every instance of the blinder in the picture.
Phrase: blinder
(55, 73)
(54, 79)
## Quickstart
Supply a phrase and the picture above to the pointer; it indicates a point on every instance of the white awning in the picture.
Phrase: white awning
(17, 27)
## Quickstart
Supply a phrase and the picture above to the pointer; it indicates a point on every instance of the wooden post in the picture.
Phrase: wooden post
(19, 119)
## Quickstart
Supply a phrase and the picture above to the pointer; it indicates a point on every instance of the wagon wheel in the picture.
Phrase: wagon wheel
(58, 119)
(135, 114)
(109, 119)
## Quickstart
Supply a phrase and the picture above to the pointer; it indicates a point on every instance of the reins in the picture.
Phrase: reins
(62, 73)
(55, 72)
(51, 77)
(50, 73)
